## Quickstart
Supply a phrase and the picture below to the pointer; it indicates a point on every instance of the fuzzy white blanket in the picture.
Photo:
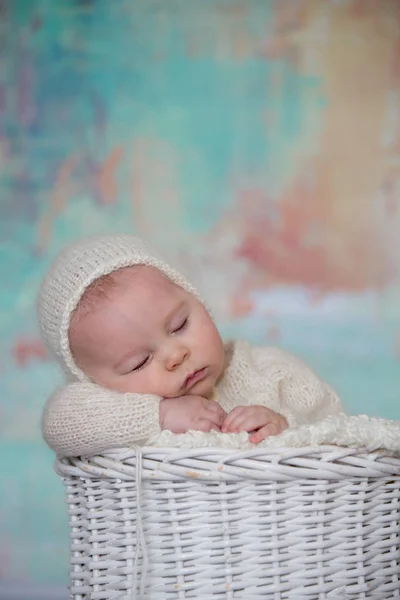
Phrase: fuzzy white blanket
(369, 433)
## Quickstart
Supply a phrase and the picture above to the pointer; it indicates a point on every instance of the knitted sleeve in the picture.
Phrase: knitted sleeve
(85, 419)
(302, 396)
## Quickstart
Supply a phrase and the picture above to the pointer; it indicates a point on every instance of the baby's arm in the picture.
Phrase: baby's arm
(302, 396)
(279, 390)
(85, 419)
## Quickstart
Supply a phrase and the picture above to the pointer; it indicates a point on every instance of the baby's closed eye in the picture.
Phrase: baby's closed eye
(140, 365)
(183, 324)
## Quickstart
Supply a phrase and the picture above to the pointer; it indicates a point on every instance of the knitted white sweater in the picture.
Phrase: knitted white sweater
(84, 418)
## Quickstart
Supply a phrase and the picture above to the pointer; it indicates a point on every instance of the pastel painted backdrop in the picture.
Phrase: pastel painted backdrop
(256, 142)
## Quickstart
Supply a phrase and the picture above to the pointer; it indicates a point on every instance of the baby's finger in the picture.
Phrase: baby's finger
(245, 422)
(264, 432)
(205, 425)
(215, 417)
(217, 409)
(221, 416)
(232, 417)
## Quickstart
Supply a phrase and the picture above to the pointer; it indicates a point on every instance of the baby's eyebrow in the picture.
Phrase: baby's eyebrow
(173, 312)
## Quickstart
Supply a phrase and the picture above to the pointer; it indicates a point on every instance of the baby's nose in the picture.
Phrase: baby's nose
(176, 357)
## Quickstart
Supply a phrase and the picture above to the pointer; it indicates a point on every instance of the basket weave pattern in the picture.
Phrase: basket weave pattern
(216, 524)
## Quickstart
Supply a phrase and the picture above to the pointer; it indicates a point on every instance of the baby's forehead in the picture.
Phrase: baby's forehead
(108, 289)
(147, 287)
(144, 276)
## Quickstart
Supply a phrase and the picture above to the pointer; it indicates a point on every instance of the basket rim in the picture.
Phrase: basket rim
(222, 464)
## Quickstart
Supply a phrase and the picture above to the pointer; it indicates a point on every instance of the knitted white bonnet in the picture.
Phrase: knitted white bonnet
(74, 270)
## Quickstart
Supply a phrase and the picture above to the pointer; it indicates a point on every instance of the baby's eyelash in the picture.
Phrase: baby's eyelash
(182, 326)
(141, 365)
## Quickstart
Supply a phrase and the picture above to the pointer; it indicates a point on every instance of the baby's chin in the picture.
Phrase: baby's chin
(203, 388)
(204, 391)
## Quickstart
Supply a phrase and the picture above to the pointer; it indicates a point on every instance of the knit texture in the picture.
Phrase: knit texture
(74, 270)
(274, 378)
(85, 419)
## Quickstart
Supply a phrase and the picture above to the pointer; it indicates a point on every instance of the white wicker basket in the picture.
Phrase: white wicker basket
(300, 524)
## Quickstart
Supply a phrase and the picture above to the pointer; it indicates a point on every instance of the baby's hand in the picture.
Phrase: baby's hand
(259, 420)
(190, 412)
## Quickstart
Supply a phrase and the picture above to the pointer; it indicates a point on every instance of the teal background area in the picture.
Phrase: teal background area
(235, 137)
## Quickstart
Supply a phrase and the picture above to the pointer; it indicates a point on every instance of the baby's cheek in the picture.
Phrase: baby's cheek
(156, 381)
(124, 384)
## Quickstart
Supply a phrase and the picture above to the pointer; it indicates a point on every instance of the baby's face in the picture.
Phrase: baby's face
(149, 337)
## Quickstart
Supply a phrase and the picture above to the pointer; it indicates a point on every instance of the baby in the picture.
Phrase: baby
(143, 354)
